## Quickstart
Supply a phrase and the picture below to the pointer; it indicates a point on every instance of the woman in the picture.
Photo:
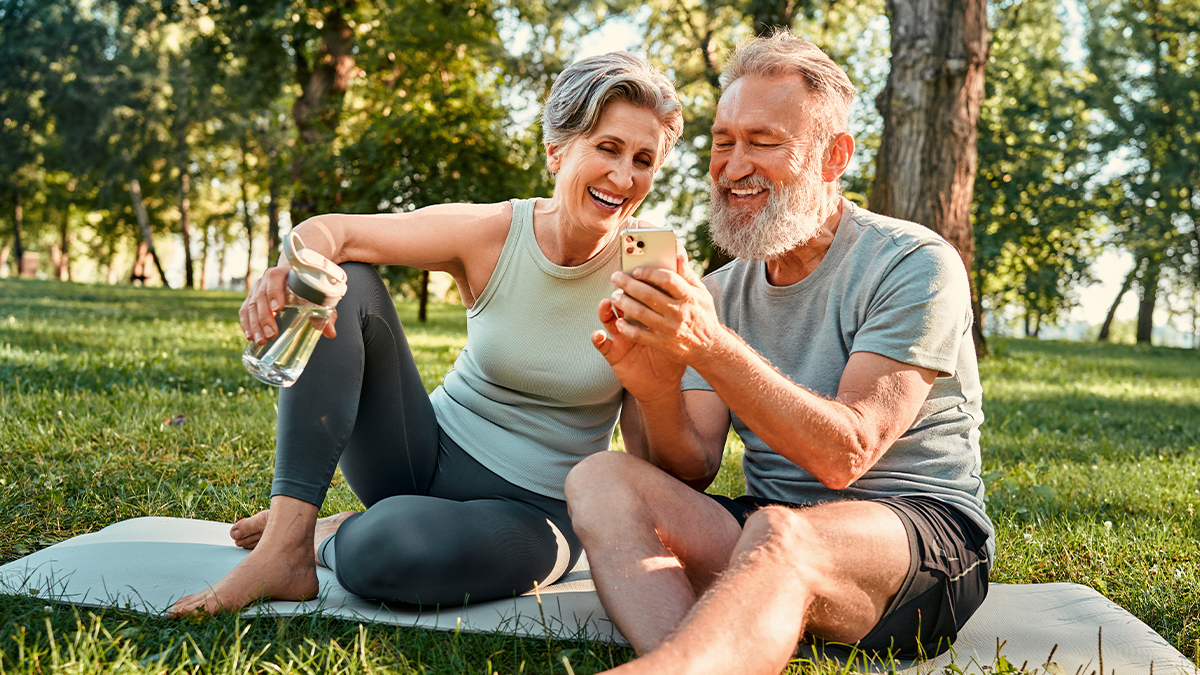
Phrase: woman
(464, 486)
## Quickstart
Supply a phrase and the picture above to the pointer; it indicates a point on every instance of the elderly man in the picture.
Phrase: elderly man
(839, 345)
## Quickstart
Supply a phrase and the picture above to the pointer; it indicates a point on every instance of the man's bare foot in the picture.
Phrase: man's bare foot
(327, 527)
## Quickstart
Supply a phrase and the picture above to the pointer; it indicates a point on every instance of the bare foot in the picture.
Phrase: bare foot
(280, 566)
(262, 574)
(327, 527)
(247, 531)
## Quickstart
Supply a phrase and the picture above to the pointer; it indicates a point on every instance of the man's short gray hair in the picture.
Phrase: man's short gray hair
(582, 91)
(781, 54)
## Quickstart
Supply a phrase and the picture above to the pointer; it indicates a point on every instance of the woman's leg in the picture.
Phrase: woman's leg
(360, 400)
(476, 537)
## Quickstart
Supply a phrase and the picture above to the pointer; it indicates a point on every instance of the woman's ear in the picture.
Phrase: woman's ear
(837, 158)
(553, 157)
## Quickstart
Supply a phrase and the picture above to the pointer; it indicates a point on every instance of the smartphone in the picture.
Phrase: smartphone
(647, 247)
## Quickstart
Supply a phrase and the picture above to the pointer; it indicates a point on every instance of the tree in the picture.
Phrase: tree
(925, 167)
(1034, 222)
(1145, 57)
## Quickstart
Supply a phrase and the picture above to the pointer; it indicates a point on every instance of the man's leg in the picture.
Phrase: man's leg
(830, 570)
(653, 543)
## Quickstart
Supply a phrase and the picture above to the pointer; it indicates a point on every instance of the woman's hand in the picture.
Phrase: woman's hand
(266, 297)
(644, 372)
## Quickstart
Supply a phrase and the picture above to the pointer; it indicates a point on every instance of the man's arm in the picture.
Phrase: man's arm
(683, 434)
(836, 440)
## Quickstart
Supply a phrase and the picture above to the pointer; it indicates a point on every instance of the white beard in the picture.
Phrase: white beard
(790, 219)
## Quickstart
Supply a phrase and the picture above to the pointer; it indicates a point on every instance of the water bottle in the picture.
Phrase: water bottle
(314, 287)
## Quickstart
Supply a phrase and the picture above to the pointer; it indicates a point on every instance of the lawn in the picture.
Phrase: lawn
(1091, 455)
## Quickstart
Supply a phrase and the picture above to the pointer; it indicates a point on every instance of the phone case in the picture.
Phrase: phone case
(647, 246)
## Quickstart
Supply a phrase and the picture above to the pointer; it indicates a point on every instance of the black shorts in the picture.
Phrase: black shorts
(947, 576)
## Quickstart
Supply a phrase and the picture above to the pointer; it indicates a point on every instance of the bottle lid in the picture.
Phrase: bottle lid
(313, 277)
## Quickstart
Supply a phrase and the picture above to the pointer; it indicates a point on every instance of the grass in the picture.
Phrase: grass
(1091, 454)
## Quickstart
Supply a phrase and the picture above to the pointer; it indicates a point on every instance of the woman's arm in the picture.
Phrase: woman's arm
(464, 240)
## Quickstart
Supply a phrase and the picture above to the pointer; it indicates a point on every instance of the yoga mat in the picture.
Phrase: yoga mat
(145, 564)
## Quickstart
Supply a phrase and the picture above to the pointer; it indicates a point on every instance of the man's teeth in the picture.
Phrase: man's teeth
(745, 192)
(611, 201)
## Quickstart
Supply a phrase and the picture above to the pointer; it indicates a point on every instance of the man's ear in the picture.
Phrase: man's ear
(837, 158)
(553, 157)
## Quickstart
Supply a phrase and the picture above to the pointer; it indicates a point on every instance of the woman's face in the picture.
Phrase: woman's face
(603, 177)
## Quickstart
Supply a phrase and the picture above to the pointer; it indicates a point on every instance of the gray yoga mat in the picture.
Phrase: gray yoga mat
(145, 564)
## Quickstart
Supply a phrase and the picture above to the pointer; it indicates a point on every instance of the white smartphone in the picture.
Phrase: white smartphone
(647, 247)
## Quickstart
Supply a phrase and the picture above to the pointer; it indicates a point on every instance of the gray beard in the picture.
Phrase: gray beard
(789, 220)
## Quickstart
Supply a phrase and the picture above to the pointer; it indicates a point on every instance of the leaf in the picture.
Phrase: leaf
(1045, 491)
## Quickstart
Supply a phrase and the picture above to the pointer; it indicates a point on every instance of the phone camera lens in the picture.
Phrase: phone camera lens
(641, 244)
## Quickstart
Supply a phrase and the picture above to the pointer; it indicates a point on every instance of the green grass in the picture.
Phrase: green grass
(1091, 455)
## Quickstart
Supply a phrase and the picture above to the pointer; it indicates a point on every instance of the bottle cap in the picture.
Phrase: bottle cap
(313, 277)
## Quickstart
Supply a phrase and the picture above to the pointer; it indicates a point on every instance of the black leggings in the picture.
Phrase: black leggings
(439, 528)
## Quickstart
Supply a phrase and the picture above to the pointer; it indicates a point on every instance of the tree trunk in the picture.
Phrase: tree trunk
(135, 193)
(181, 123)
(185, 226)
(63, 270)
(1112, 310)
(1149, 295)
(246, 218)
(18, 222)
(423, 297)
(317, 109)
(925, 167)
(1033, 323)
(4, 251)
(272, 217)
(207, 232)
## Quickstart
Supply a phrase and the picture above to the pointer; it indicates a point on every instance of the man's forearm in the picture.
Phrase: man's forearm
(825, 437)
(662, 433)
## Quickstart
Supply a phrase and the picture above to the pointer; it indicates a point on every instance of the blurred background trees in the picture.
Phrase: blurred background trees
(157, 141)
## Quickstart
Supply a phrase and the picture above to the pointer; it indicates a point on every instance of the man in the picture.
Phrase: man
(839, 344)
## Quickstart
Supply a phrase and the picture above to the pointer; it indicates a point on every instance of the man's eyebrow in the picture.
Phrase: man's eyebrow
(762, 130)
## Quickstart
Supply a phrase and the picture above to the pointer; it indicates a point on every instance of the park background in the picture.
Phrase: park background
(205, 128)
(129, 128)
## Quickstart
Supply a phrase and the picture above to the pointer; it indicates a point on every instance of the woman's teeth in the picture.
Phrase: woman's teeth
(605, 199)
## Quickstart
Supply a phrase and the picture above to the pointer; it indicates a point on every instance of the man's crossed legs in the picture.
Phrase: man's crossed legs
(695, 592)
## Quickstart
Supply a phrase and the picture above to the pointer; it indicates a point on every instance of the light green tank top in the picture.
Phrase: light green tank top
(529, 396)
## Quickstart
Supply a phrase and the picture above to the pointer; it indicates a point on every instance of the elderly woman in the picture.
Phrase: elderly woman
(463, 487)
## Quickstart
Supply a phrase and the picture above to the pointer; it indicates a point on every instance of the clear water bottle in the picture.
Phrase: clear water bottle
(314, 287)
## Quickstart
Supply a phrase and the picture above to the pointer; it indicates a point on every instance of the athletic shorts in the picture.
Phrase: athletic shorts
(947, 577)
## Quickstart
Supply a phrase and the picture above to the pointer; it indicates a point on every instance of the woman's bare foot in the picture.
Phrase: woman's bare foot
(247, 531)
(325, 528)
(280, 566)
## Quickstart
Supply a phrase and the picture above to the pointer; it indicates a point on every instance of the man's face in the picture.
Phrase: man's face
(766, 169)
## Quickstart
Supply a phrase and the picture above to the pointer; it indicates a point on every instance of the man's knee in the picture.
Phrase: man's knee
(778, 533)
(599, 490)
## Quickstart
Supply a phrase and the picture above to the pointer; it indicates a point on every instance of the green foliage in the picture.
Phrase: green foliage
(1147, 61)
(1034, 221)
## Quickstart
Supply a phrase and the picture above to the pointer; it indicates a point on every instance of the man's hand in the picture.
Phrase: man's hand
(675, 309)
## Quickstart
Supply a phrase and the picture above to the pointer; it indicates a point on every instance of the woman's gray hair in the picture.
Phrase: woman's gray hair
(582, 91)
(781, 54)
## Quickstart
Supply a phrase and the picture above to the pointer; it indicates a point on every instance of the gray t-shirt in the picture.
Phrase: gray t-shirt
(888, 287)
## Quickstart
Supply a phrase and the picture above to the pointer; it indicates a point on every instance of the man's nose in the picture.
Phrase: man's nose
(738, 165)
